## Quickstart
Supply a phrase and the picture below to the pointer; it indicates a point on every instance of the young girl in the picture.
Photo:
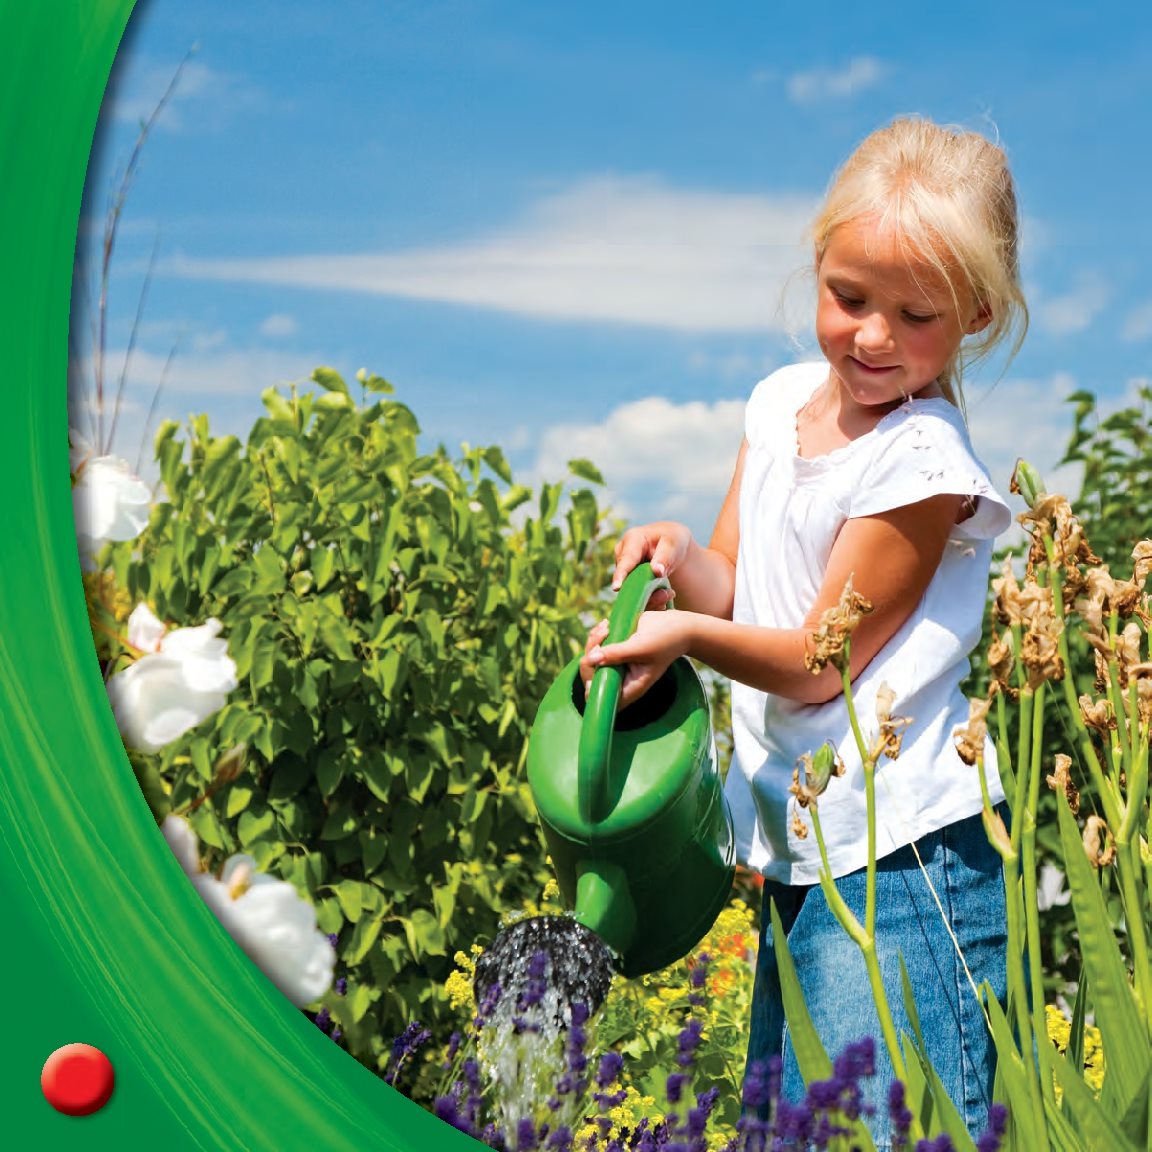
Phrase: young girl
(859, 466)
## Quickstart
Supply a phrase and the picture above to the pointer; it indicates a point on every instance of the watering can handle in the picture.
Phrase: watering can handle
(604, 695)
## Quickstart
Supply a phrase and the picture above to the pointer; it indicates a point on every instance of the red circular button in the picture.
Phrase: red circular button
(77, 1079)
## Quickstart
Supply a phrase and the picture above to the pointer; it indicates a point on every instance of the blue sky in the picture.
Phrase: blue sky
(577, 229)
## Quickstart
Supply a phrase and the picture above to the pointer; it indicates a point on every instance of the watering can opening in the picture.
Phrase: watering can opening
(652, 706)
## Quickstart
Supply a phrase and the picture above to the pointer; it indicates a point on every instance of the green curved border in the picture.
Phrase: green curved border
(105, 943)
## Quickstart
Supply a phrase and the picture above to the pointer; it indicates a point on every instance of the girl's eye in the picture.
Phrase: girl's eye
(846, 300)
(919, 317)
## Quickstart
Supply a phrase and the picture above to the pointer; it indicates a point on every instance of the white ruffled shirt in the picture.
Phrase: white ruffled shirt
(791, 511)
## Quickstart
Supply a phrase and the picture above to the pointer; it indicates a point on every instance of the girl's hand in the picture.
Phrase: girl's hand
(663, 543)
(660, 637)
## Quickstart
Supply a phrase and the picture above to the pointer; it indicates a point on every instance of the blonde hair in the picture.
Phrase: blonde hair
(948, 195)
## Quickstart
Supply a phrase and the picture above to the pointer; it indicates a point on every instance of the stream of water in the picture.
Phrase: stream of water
(537, 985)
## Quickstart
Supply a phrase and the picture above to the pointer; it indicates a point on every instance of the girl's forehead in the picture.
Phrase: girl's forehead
(861, 248)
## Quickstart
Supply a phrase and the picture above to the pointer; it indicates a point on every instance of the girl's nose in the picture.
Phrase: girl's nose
(874, 333)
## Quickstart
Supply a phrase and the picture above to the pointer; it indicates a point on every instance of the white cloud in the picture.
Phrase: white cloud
(1075, 310)
(1138, 323)
(610, 249)
(1026, 419)
(202, 98)
(821, 84)
(659, 459)
(278, 324)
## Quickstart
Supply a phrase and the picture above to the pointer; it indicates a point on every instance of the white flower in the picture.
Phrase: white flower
(183, 677)
(109, 503)
(268, 918)
(182, 840)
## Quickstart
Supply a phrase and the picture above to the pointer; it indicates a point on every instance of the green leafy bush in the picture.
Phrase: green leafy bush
(395, 617)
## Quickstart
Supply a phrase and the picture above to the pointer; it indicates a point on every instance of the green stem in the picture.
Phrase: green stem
(1028, 872)
(1130, 866)
(869, 795)
(1017, 986)
(1072, 701)
(1023, 760)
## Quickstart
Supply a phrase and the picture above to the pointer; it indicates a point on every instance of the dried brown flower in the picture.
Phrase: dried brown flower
(1061, 781)
(1001, 661)
(970, 738)
(1099, 846)
(1052, 516)
(890, 734)
(835, 627)
(1097, 714)
(1040, 644)
(799, 828)
(1142, 562)
(1007, 592)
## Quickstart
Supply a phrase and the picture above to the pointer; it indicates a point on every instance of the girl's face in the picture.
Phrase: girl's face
(887, 323)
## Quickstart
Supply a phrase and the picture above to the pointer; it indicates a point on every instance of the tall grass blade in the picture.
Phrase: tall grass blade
(1121, 1024)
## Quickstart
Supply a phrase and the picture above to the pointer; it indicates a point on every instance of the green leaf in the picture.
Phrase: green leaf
(330, 380)
(1091, 1120)
(585, 470)
(1118, 1016)
(239, 796)
(351, 902)
(364, 935)
(279, 408)
(811, 1057)
(254, 824)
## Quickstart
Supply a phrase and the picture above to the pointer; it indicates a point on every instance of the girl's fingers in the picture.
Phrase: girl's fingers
(596, 635)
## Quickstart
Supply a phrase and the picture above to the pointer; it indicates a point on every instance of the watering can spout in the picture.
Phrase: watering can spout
(604, 903)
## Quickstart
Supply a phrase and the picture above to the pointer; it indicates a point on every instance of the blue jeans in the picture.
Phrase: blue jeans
(965, 871)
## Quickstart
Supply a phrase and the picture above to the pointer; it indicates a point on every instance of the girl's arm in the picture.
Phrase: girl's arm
(891, 559)
(704, 579)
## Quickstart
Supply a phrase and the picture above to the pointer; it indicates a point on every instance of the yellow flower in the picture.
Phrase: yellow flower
(1060, 1033)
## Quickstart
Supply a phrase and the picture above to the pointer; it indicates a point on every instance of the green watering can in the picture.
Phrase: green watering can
(631, 804)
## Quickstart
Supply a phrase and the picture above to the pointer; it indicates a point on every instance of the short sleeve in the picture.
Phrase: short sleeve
(923, 450)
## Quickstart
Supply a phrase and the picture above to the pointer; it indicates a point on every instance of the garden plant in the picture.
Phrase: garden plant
(369, 628)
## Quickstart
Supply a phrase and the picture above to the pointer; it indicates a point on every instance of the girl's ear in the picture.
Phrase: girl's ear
(979, 322)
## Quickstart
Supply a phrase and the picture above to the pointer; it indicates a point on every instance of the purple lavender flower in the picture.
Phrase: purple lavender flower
(610, 1067)
(990, 1138)
(341, 986)
(697, 976)
(407, 1044)
(699, 1116)
(454, 1042)
(560, 1140)
(536, 984)
(762, 1083)
(688, 1042)
(942, 1143)
(337, 1035)
(899, 1116)
(675, 1086)
(447, 1108)
(526, 1138)
(323, 1019)
(493, 1137)
(856, 1061)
